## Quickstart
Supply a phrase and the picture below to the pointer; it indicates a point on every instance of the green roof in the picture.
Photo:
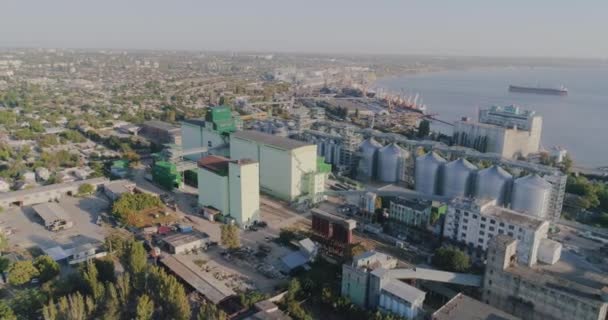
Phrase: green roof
(120, 164)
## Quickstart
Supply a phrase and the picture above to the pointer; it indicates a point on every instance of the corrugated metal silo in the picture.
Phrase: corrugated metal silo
(390, 162)
(368, 149)
(531, 195)
(457, 178)
(426, 173)
(492, 183)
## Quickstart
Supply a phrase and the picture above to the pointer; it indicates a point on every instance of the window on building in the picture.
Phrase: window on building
(481, 233)
(474, 216)
(483, 219)
(482, 226)
(491, 228)
(510, 233)
(511, 227)
(209, 144)
(480, 240)
(458, 211)
(464, 227)
(465, 220)
(501, 224)
(466, 214)
(463, 235)
(501, 231)
(492, 221)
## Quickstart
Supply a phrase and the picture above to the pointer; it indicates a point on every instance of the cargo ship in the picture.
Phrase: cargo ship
(561, 91)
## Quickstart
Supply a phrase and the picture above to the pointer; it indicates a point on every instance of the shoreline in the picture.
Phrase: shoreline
(599, 170)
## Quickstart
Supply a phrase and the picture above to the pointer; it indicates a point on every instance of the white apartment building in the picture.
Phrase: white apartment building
(475, 222)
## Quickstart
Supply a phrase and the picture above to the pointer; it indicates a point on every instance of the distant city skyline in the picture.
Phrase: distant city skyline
(517, 28)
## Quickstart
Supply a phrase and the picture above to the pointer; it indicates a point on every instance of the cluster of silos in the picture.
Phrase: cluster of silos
(391, 161)
(493, 183)
(275, 127)
(531, 195)
(330, 151)
(368, 155)
(426, 173)
(457, 178)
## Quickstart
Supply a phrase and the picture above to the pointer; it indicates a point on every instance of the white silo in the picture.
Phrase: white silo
(426, 173)
(457, 178)
(367, 150)
(492, 183)
(390, 162)
(531, 195)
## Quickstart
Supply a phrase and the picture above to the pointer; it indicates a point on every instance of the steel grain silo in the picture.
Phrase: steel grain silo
(427, 172)
(368, 152)
(531, 195)
(390, 162)
(457, 178)
(493, 183)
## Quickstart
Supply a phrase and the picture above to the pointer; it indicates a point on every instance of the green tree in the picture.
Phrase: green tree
(251, 297)
(105, 269)
(145, 308)
(134, 257)
(3, 242)
(230, 236)
(27, 303)
(112, 306)
(166, 290)
(6, 313)
(47, 267)
(49, 310)
(5, 263)
(451, 259)
(92, 285)
(85, 189)
(22, 272)
(209, 311)
(424, 128)
(567, 164)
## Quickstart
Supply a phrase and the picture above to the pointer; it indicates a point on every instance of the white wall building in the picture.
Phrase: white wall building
(284, 163)
(475, 222)
(231, 186)
(508, 131)
(196, 133)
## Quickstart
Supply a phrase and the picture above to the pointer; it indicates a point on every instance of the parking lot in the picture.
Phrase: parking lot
(27, 229)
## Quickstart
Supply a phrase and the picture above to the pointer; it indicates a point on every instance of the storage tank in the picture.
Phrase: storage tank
(426, 172)
(457, 178)
(390, 162)
(368, 149)
(531, 195)
(492, 183)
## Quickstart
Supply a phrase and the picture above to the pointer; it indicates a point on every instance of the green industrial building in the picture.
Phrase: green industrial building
(166, 175)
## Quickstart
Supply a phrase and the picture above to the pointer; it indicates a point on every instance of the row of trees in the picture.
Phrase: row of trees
(96, 291)
(593, 195)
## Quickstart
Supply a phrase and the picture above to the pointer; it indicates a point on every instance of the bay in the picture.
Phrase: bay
(577, 122)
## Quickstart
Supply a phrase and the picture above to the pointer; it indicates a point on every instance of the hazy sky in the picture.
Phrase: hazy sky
(460, 27)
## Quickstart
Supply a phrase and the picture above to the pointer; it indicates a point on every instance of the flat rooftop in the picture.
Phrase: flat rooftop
(417, 205)
(50, 212)
(200, 122)
(349, 223)
(514, 217)
(462, 307)
(51, 187)
(161, 125)
(403, 291)
(202, 282)
(216, 164)
(179, 239)
(574, 280)
(271, 140)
